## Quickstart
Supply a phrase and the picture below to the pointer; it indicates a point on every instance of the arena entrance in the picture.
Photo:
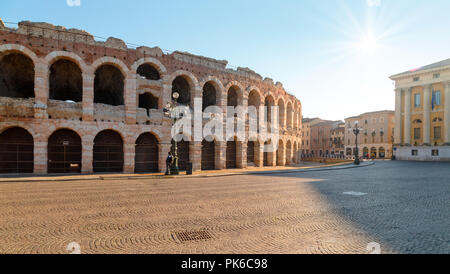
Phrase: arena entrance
(108, 152)
(208, 155)
(146, 154)
(231, 155)
(64, 152)
(16, 151)
(183, 154)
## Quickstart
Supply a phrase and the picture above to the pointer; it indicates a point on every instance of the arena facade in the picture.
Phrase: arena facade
(72, 104)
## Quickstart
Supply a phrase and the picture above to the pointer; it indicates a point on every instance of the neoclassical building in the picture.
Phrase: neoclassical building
(69, 103)
(422, 113)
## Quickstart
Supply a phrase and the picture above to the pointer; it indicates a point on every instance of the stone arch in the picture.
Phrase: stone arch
(189, 77)
(108, 152)
(64, 151)
(109, 85)
(382, 152)
(155, 63)
(289, 114)
(255, 90)
(269, 102)
(210, 95)
(218, 86)
(148, 101)
(281, 112)
(147, 153)
(5, 49)
(16, 150)
(236, 97)
(55, 56)
(65, 80)
(17, 74)
(107, 60)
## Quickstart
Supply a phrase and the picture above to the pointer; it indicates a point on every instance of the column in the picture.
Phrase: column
(426, 114)
(88, 96)
(398, 117)
(130, 99)
(447, 113)
(407, 132)
(259, 154)
(129, 149)
(241, 154)
(195, 155)
(40, 155)
(220, 154)
(87, 142)
(41, 90)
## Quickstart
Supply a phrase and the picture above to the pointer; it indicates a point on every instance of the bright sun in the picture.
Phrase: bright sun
(368, 44)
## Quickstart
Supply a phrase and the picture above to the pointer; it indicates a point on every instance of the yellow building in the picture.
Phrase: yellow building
(422, 113)
(376, 134)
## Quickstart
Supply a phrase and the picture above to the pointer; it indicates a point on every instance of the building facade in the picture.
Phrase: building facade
(376, 134)
(321, 141)
(338, 140)
(422, 113)
(69, 103)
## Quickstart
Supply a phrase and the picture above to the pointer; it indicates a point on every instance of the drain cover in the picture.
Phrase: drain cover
(188, 236)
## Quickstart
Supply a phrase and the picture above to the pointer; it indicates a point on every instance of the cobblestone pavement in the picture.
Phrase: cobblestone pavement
(406, 209)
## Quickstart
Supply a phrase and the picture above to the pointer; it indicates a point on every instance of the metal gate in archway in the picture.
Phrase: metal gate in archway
(251, 152)
(16, 151)
(231, 155)
(146, 154)
(183, 153)
(108, 152)
(64, 152)
(208, 155)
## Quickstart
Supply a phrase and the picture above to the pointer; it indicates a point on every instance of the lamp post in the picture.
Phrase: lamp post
(356, 131)
(168, 111)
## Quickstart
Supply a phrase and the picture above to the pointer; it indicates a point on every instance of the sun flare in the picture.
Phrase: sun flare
(368, 44)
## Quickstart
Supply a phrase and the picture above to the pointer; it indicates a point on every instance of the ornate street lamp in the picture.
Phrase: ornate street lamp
(169, 112)
(356, 131)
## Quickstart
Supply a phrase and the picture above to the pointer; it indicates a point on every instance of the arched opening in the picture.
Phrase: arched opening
(66, 81)
(281, 113)
(288, 153)
(16, 151)
(232, 97)
(148, 101)
(208, 155)
(251, 152)
(146, 154)
(373, 152)
(181, 85)
(231, 155)
(280, 152)
(149, 72)
(108, 152)
(16, 76)
(382, 152)
(269, 103)
(64, 152)
(268, 153)
(108, 86)
(289, 115)
(209, 95)
(366, 152)
(182, 152)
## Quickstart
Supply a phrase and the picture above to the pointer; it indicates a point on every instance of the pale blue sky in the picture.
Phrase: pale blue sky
(334, 55)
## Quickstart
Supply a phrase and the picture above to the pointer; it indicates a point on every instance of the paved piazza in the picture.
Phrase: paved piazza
(403, 206)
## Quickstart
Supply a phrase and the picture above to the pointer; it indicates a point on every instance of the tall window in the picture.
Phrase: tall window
(417, 100)
(436, 100)
(417, 133)
(437, 133)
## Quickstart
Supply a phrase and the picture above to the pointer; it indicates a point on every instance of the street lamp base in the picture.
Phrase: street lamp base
(357, 162)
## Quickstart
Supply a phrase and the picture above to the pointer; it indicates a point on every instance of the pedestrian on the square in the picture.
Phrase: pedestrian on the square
(169, 162)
